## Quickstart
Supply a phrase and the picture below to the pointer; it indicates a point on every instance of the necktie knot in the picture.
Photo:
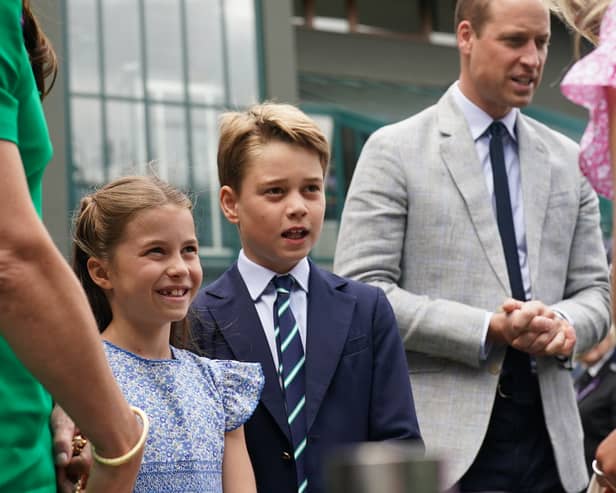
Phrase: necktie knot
(283, 284)
(497, 129)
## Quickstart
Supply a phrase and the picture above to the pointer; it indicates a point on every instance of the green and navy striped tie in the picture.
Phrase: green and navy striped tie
(291, 369)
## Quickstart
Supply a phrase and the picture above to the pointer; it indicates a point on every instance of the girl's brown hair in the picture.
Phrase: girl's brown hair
(99, 225)
(42, 55)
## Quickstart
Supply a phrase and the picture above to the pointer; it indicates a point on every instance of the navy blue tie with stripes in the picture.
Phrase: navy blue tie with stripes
(291, 369)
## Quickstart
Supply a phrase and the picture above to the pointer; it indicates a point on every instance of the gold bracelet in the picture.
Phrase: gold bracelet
(123, 459)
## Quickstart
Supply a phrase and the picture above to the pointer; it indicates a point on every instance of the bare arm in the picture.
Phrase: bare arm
(237, 474)
(45, 318)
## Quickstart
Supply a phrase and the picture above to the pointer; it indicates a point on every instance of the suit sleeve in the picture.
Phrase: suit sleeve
(370, 246)
(392, 410)
(586, 299)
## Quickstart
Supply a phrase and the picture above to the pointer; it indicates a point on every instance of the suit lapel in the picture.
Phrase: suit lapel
(238, 321)
(458, 151)
(330, 312)
(535, 170)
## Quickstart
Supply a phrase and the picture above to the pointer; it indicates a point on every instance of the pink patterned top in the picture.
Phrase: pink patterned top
(585, 85)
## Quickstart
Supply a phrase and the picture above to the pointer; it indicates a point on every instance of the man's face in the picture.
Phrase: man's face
(501, 66)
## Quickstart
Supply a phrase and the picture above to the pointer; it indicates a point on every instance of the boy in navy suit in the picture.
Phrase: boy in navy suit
(335, 370)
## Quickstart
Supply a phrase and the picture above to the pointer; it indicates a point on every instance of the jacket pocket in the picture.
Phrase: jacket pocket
(355, 345)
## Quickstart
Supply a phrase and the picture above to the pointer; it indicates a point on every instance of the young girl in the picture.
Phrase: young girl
(136, 254)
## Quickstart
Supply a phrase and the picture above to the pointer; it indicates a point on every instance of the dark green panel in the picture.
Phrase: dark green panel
(392, 15)
(331, 8)
(443, 14)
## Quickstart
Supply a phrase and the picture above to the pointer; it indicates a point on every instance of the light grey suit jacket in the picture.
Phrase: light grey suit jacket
(418, 222)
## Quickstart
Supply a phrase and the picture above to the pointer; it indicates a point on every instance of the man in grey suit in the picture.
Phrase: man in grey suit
(454, 215)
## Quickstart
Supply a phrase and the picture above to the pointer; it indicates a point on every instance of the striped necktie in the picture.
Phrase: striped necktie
(291, 370)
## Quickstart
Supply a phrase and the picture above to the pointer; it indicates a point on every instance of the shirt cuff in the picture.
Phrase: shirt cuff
(486, 345)
(564, 315)
(565, 362)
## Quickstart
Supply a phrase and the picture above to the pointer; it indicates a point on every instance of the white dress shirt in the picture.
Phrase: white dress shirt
(258, 281)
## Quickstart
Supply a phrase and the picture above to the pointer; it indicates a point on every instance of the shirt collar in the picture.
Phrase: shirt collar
(478, 120)
(257, 278)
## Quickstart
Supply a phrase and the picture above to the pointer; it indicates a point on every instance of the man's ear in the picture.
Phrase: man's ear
(465, 36)
(228, 203)
(99, 273)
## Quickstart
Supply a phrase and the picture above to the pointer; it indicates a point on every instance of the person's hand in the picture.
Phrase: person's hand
(606, 462)
(72, 453)
(532, 327)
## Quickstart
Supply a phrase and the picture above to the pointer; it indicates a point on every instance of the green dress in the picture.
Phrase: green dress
(26, 458)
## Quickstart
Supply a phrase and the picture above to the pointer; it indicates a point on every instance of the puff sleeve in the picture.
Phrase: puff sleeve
(240, 385)
(585, 85)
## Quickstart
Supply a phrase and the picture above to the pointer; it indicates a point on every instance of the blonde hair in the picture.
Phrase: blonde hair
(243, 135)
(583, 16)
(99, 225)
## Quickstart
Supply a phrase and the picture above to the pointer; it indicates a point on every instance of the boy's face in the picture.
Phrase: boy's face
(280, 208)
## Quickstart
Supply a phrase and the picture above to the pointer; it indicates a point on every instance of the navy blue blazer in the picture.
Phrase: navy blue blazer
(357, 384)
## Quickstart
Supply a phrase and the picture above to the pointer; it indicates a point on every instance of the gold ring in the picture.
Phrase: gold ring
(79, 442)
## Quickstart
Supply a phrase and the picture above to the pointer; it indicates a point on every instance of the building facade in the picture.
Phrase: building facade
(143, 82)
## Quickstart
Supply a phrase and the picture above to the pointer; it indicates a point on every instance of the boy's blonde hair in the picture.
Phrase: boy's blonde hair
(583, 16)
(243, 135)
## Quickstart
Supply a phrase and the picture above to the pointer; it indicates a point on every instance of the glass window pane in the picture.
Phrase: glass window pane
(169, 143)
(83, 46)
(240, 25)
(122, 43)
(164, 50)
(217, 237)
(205, 145)
(87, 142)
(126, 139)
(205, 51)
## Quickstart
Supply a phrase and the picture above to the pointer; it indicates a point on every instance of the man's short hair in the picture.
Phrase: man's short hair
(477, 12)
(243, 135)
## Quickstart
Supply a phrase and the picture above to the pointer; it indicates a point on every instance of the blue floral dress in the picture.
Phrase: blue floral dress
(191, 402)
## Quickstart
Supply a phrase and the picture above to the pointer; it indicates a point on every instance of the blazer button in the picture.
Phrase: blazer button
(494, 369)
(286, 456)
